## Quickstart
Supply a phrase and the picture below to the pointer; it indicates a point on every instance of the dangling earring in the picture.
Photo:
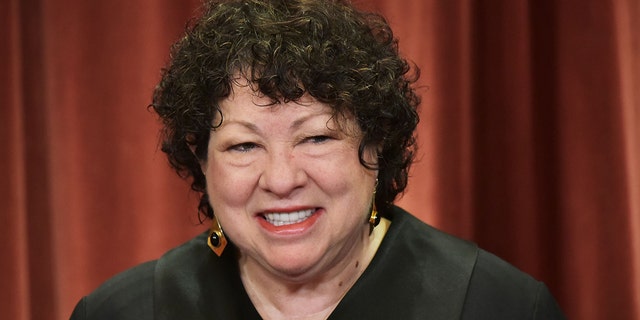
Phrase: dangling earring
(217, 241)
(374, 219)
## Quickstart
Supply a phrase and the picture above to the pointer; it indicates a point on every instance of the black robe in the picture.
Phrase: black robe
(417, 273)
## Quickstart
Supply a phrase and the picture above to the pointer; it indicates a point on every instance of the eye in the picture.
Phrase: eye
(243, 147)
(318, 139)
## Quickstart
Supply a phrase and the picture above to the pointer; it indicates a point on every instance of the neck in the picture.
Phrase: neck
(309, 297)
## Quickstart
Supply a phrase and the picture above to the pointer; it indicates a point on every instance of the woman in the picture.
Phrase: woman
(295, 120)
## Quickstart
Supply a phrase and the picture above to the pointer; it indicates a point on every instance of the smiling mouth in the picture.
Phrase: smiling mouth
(286, 218)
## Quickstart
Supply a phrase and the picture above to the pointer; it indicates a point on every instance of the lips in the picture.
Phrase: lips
(287, 218)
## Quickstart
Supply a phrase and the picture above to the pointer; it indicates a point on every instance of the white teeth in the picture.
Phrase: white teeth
(284, 218)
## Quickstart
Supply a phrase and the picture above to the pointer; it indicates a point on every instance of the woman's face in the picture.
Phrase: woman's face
(286, 183)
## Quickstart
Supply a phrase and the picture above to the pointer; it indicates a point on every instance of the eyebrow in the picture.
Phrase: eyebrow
(243, 123)
(299, 122)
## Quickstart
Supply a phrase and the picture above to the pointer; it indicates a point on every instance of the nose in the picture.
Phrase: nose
(282, 174)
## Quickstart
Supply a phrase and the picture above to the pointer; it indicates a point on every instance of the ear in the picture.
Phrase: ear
(192, 148)
(370, 154)
(375, 152)
(203, 163)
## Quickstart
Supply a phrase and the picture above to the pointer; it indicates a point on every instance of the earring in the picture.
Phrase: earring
(374, 219)
(217, 241)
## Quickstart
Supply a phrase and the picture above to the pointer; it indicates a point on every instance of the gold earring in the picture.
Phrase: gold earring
(217, 241)
(374, 219)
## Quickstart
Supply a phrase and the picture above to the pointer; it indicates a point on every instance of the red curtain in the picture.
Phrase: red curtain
(529, 142)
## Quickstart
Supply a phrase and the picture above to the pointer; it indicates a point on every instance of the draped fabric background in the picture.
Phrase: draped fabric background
(529, 142)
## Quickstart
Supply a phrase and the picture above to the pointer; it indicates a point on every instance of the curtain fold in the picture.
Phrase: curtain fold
(529, 142)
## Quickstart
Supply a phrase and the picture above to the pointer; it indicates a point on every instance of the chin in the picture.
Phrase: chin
(293, 268)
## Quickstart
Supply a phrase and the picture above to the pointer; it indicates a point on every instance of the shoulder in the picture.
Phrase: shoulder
(492, 289)
(131, 294)
(426, 242)
(498, 290)
(127, 295)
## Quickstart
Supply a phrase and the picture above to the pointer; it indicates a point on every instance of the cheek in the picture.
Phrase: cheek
(227, 188)
(345, 177)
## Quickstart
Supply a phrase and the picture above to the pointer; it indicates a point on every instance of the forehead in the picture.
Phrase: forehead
(246, 104)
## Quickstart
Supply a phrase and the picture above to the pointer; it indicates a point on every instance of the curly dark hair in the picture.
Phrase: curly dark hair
(337, 54)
